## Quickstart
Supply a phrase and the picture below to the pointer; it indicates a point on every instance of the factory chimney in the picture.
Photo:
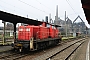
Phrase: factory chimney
(49, 18)
(46, 19)
(56, 18)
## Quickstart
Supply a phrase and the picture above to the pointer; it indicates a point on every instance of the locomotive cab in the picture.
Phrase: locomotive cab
(25, 37)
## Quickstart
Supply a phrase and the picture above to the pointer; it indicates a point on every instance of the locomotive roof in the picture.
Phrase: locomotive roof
(8, 17)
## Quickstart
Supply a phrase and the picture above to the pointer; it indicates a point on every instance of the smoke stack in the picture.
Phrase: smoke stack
(49, 18)
(46, 19)
(56, 14)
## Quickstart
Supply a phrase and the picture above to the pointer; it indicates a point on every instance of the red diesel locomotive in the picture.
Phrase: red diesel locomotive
(32, 37)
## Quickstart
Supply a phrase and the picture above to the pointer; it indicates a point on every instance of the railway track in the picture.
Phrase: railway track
(17, 56)
(74, 51)
(10, 55)
(66, 53)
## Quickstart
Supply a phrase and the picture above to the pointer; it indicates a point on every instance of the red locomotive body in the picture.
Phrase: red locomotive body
(44, 32)
(25, 33)
(38, 32)
(35, 32)
(36, 37)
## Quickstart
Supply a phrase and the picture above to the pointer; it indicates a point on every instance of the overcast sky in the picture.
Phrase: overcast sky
(38, 9)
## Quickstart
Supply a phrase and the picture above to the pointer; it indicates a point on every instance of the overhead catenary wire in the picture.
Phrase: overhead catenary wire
(68, 1)
(33, 6)
(10, 9)
(71, 6)
(23, 10)
(44, 5)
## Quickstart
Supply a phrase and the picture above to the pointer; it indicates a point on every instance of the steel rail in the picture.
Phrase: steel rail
(63, 50)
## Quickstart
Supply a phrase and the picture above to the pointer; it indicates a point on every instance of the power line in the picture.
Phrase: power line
(11, 9)
(32, 6)
(18, 8)
(5, 8)
(70, 6)
(44, 5)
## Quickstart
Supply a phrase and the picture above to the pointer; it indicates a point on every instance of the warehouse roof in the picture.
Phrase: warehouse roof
(8, 17)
